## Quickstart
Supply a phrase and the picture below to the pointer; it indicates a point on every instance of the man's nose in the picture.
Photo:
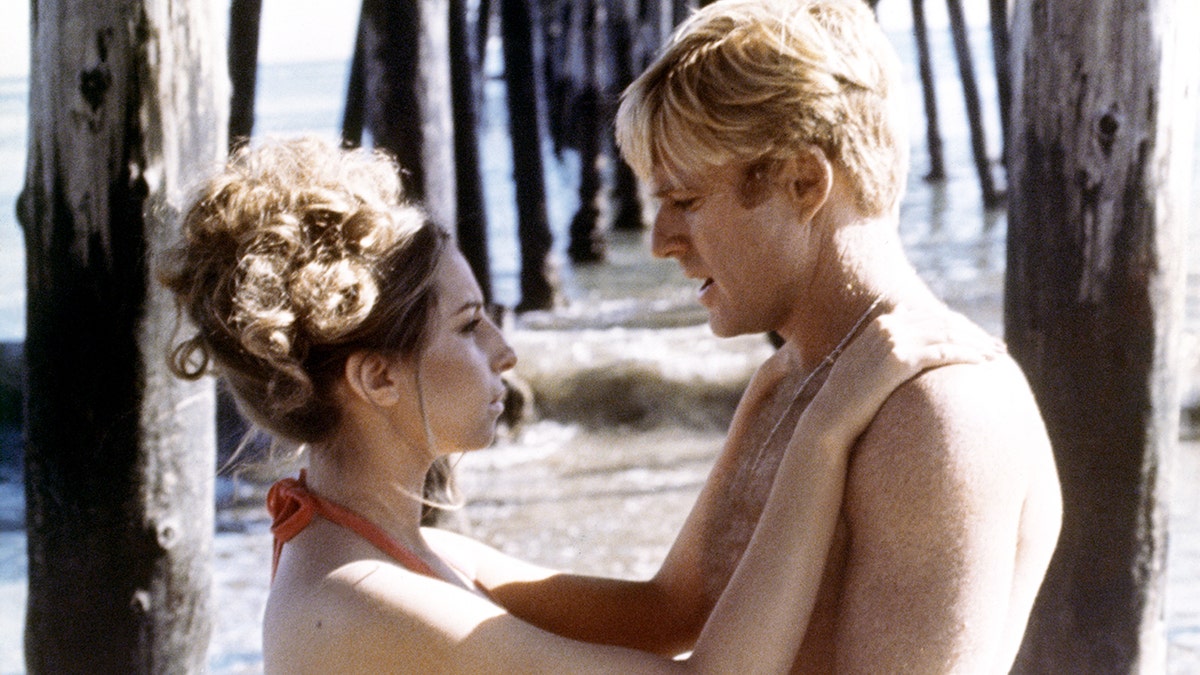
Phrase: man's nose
(668, 236)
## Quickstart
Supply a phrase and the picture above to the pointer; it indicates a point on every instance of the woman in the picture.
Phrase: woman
(343, 319)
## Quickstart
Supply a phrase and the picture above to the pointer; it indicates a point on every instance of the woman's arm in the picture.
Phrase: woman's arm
(661, 615)
(391, 618)
(777, 580)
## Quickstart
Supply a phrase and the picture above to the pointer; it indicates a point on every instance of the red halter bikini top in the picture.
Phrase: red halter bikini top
(292, 507)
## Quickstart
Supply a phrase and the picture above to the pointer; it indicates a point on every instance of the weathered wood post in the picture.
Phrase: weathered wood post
(466, 95)
(933, 130)
(356, 92)
(406, 66)
(966, 73)
(1101, 157)
(245, 16)
(521, 30)
(998, 18)
(627, 21)
(587, 131)
(128, 102)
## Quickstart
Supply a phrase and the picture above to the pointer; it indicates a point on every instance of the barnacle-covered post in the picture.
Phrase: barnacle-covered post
(128, 102)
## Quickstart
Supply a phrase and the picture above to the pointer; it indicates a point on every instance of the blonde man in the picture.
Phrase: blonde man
(769, 133)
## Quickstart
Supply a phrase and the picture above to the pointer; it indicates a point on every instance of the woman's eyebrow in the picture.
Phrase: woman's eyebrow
(470, 306)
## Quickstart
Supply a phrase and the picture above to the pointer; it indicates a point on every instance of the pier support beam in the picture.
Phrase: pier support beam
(128, 103)
(1100, 170)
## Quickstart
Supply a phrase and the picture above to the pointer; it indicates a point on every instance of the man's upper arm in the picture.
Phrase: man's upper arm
(933, 505)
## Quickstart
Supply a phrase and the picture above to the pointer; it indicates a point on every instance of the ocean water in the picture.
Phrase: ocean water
(14, 95)
(306, 97)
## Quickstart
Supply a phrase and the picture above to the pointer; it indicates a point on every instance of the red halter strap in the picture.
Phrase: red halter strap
(292, 507)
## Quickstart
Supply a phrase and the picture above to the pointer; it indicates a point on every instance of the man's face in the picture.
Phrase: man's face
(737, 230)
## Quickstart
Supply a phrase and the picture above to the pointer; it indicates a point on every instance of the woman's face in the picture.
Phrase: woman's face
(460, 367)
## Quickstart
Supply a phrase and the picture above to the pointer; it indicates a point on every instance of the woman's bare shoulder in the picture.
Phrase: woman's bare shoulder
(362, 615)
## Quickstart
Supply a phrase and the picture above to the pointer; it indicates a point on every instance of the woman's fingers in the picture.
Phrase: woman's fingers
(900, 344)
(925, 339)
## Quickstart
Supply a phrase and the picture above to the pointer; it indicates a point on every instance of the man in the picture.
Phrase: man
(769, 133)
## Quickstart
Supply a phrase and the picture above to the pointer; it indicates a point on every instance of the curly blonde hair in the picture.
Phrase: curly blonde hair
(756, 79)
(293, 256)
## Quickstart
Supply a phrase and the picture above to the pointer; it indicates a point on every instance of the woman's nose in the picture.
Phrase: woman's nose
(503, 356)
(506, 359)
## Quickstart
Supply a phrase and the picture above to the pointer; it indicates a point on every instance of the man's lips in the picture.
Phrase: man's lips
(703, 293)
(693, 273)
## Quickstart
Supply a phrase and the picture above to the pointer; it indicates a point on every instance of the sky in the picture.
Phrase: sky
(323, 30)
(291, 30)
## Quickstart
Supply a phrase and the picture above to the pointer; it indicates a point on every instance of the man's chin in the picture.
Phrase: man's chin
(726, 329)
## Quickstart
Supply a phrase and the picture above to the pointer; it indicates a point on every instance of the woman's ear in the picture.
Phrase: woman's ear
(375, 378)
(809, 180)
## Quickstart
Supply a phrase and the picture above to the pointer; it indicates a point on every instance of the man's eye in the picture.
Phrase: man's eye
(685, 203)
(471, 326)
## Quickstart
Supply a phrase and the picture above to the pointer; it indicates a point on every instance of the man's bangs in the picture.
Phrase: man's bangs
(680, 144)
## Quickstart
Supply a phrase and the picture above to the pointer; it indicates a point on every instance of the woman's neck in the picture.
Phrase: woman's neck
(383, 485)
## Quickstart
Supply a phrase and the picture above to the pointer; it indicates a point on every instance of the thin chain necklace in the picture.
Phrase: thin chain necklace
(825, 363)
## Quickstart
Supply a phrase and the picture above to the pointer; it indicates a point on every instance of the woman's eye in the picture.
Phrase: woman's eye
(471, 326)
(685, 204)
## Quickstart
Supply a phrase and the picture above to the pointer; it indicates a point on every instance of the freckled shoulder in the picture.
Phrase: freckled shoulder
(936, 504)
(974, 422)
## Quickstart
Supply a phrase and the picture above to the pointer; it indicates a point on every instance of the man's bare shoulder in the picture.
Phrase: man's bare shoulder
(940, 501)
(949, 440)
(957, 410)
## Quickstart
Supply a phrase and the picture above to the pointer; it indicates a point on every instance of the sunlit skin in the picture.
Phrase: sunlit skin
(703, 217)
(768, 243)
(790, 256)
(951, 509)
(361, 333)
(459, 369)
(380, 456)
(337, 604)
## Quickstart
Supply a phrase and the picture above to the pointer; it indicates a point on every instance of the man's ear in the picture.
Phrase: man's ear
(809, 180)
(374, 377)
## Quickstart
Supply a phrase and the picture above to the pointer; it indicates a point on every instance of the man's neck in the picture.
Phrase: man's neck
(867, 268)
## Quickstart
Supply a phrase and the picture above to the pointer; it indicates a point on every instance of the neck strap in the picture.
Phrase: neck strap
(292, 507)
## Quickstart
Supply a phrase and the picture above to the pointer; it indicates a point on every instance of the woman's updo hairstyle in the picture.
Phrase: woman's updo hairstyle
(292, 257)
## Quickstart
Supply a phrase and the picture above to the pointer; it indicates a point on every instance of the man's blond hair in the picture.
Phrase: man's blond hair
(759, 79)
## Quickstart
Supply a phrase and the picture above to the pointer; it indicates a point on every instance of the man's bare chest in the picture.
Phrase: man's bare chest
(759, 436)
